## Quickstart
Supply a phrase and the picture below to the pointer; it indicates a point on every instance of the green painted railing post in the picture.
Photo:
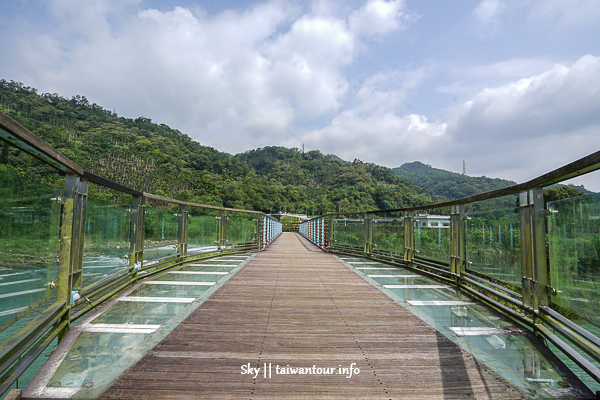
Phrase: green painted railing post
(538, 261)
(409, 237)
(368, 247)
(70, 257)
(182, 231)
(533, 250)
(222, 229)
(526, 249)
(458, 243)
(136, 235)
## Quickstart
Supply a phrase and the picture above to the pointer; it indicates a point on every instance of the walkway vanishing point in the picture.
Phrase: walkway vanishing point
(296, 305)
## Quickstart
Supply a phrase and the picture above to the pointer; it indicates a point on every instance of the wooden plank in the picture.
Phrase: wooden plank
(297, 307)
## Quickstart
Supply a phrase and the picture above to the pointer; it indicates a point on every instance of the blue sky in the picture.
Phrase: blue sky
(510, 86)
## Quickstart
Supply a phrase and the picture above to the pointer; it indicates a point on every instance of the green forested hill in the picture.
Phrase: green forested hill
(155, 158)
(332, 184)
(448, 184)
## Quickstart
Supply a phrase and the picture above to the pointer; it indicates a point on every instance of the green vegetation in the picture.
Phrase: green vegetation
(451, 185)
(574, 255)
(448, 184)
(155, 158)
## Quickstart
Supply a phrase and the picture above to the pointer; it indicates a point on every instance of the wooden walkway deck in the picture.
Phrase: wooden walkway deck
(296, 305)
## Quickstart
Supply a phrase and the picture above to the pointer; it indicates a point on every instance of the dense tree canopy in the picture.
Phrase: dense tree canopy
(155, 158)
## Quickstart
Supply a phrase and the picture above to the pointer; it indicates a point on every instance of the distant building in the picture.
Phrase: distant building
(433, 221)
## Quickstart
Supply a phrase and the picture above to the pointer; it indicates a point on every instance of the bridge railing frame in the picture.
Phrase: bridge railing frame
(530, 307)
(74, 298)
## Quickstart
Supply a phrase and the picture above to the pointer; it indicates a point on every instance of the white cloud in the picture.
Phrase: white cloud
(560, 100)
(334, 75)
(389, 138)
(487, 13)
(373, 129)
(532, 125)
(378, 17)
(307, 63)
(254, 74)
(515, 131)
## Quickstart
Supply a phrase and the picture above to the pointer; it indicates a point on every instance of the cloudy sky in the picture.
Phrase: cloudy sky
(510, 86)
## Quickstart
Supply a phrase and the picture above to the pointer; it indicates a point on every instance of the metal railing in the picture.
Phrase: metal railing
(536, 263)
(64, 251)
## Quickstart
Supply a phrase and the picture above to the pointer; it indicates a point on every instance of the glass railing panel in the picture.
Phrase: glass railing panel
(349, 232)
(202, 230)
(160, 230)
(574, 256)
(388, 233)
(106, 244)
(241, 228)
(493, 244)
(29, 245)
(432, 234)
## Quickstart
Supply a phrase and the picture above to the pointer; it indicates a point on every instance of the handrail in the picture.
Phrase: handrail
(97, 179)
(579, 167)
(30, 341)
(530, 308)
(187, 203)
(17, 135)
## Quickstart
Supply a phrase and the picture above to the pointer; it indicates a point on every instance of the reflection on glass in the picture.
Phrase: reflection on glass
(29, 245)
(190, 277)
(494, 244)
(206, 268)
(574, 252)
(497, 342)
(432, 235)
(160, 230)
(202, 230)
(92, 357)
(150, 290)
(388, 234)
(533, 373)
(139, 312)
(349, 232)
(241, 229)
(106, 238)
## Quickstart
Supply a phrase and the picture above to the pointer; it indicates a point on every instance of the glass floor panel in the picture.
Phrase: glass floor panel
(473, 315)
(478, 330)
(104, 345)
(529, 368)
(150, 290)
(442, 293)
(218, 262)
(376, 269)
(388, 271)
(208, 268)
(410, 280)
(86, 363)
(139, 312)
(189, 277)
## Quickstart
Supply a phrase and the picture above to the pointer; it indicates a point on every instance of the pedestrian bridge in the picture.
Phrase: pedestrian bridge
(157, 298)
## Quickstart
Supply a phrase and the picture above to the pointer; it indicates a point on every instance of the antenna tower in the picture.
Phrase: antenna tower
(464, 167)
